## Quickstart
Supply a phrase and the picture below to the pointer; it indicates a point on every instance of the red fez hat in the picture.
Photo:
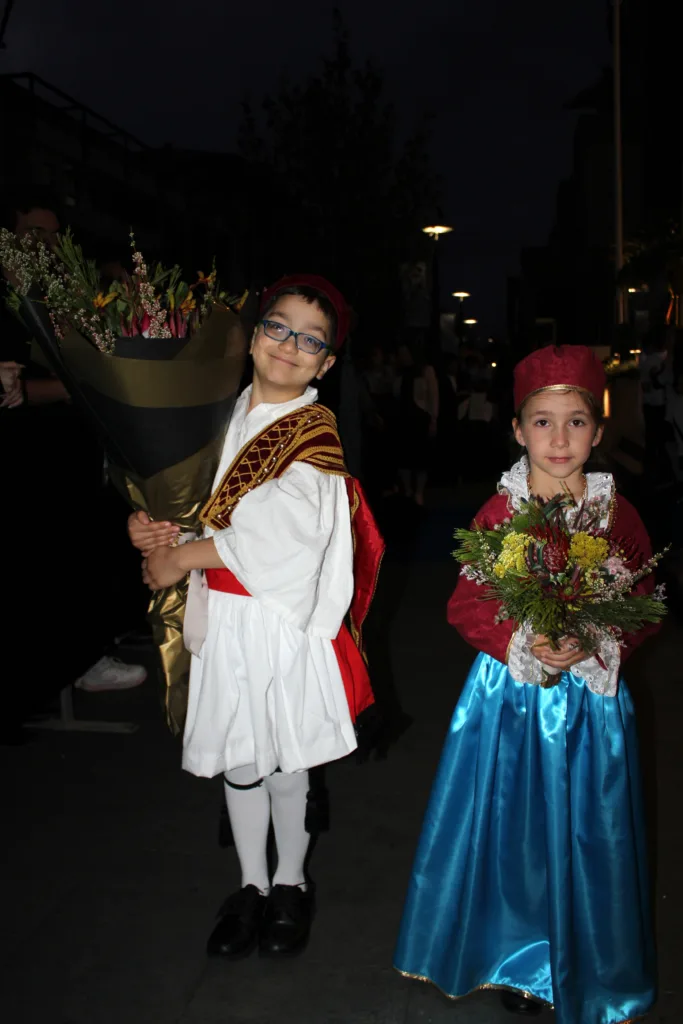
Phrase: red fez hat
(558, 367)
(322, 285)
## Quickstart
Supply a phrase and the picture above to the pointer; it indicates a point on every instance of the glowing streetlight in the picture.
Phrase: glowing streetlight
(436, 230)
(494, 365)
(461, 295)
(471, 322)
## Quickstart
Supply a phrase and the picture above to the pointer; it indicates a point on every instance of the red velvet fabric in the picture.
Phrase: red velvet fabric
(473, 616)
(368, 551)
(575, 366)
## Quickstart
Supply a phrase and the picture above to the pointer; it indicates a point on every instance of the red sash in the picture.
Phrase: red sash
(308, 435)
(351, 663)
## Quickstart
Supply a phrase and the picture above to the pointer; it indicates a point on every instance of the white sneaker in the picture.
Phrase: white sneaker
(111, 674)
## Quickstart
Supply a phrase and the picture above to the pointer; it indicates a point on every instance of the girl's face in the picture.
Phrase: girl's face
(559, 431)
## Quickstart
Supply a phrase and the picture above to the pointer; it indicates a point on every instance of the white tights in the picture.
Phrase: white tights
(282, 797)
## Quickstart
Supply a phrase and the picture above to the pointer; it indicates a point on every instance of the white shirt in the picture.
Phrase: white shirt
(289, 543)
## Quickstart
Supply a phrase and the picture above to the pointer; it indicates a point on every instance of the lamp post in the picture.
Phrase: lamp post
(618, 164)
(4, 22)
(460, 296)
(435, 231)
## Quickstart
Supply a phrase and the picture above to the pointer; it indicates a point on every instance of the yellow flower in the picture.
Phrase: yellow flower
(512, 557)
(587, 551)
(201, 279)
(187, 305)
(101, 300)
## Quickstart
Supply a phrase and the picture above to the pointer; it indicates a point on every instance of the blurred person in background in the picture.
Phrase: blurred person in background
(51, 451)
(417, 425)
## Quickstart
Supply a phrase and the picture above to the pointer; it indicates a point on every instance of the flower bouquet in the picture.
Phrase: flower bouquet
(559, 579)
(155, 364)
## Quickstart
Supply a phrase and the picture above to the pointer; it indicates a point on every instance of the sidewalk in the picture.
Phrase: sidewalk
(113, 871)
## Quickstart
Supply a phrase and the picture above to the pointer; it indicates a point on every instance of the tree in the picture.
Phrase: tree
(346, 200)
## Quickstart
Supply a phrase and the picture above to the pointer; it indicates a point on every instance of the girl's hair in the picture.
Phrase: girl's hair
(593, 407)
(312, 296)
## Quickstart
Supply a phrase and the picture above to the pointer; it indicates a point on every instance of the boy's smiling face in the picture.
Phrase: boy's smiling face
(281, 367)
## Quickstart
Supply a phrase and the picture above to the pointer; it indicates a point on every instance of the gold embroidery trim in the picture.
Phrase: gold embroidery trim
(557, 387)
(490, 987)
(486, 987)
(261, 459)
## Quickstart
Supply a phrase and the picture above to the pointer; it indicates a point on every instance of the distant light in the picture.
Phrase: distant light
(491, 341)
(461, 295)
(494, 365)
(435, 230)
(632, 291)
(635, 351)
(470, 322)
(606, 406)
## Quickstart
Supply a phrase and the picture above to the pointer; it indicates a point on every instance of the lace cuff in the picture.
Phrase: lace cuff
(524, 666)
(603, 681)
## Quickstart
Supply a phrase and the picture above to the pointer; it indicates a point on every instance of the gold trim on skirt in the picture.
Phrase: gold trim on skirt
(489, 987)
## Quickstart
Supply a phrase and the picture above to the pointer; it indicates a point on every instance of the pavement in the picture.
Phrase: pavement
(113, 871)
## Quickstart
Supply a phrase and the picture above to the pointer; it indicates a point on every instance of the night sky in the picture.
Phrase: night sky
(496, 73)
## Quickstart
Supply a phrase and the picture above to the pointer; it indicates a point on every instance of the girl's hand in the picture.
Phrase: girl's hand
(147, 535)
(161, 569)
(570, 653)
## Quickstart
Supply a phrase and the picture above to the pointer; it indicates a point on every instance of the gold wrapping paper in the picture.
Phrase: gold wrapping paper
(172, 495)
(208, 370)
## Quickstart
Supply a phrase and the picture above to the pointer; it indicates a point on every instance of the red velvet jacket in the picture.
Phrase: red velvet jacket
(474, 617)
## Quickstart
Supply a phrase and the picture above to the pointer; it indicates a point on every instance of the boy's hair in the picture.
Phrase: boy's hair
(312, 296)
(23, 199)
(593, 408)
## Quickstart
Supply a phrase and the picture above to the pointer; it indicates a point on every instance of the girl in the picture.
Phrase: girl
(530, 874)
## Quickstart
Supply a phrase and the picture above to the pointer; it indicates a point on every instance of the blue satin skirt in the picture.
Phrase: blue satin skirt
(531, 872)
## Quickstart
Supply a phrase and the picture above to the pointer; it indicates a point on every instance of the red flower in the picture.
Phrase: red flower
(628, 551)
(556, 554)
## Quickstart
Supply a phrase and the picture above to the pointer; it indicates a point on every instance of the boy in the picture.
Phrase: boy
(290, 546)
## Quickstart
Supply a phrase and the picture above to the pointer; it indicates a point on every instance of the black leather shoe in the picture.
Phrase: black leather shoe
(515, 1002)
(286, 922)
(236, 933)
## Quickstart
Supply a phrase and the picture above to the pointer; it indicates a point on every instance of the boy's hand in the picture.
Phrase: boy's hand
(569, 654)
(161, 568)
(147, 535)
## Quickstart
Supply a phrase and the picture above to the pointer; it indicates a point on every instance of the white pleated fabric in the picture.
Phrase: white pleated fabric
(267, 689)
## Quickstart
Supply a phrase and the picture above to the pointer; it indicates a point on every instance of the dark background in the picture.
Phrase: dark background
(496, 75)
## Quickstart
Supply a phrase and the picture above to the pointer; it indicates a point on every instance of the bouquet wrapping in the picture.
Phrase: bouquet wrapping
(159, 397)
(557, 574)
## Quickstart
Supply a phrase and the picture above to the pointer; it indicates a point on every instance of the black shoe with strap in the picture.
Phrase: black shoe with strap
(286, 922)
(523, 1006)
(236, 934)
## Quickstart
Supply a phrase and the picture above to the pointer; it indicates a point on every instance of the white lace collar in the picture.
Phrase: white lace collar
(599, 489)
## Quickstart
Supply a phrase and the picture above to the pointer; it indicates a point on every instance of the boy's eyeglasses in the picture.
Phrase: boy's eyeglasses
(304, 342)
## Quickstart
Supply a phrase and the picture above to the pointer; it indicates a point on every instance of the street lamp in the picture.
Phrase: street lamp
(471, 322)
(436, 230)
(460, 296)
